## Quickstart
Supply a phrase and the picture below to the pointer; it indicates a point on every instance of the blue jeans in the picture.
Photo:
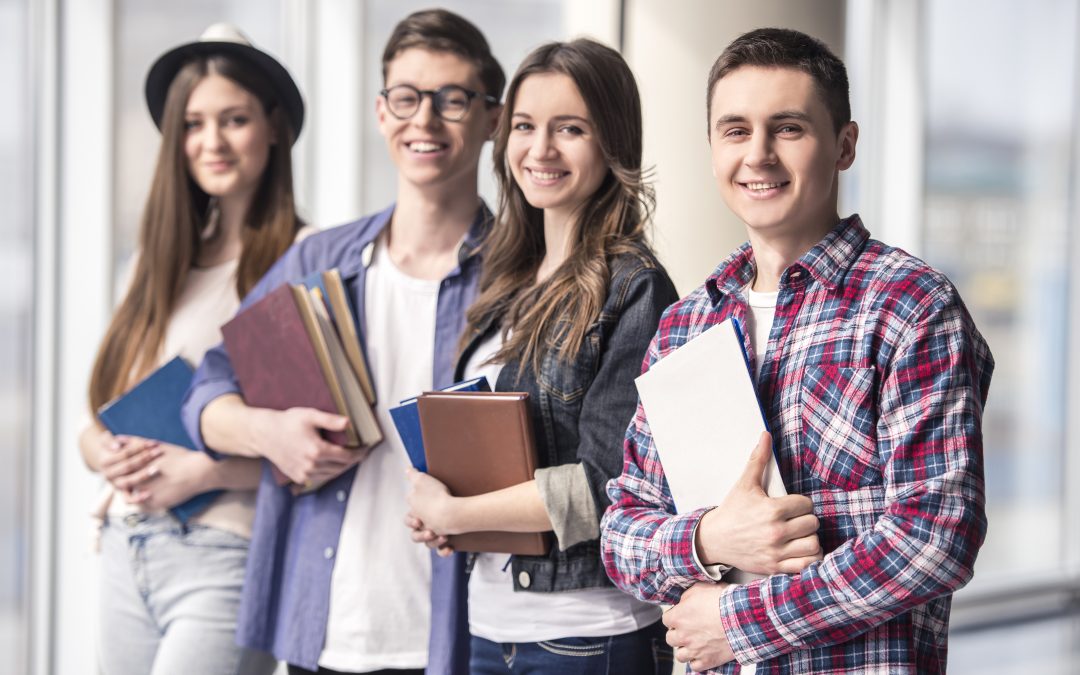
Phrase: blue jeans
(643, 652)
(169, 600)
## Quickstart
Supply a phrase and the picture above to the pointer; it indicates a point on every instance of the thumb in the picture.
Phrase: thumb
(754, 472)
(328, 421)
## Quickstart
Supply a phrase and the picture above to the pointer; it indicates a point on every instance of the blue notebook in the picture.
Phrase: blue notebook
(151, 409)
(406, 418)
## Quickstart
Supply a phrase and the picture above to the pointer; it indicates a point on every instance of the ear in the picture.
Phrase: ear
(849, 136)
(493, 120)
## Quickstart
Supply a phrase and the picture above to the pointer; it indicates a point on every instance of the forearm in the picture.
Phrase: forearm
(229, 425)
(91, 440)
(236, 473)
(513, 509)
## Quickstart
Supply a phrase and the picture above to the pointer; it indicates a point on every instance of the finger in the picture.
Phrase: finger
(412, 522)
(334, 454)
(754, 472)
(138, 478)
(793, 506)
(797, 565)
(325, 420)
(127, 467)
(445, 551)
(124, 454)
(802, 526)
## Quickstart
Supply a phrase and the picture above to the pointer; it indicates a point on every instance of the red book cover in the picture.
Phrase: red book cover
(275, 362)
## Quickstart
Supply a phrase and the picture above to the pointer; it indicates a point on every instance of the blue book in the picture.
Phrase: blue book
(151, 409)
(406, 418)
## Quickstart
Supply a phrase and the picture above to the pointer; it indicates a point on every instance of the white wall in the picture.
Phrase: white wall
(671, 46)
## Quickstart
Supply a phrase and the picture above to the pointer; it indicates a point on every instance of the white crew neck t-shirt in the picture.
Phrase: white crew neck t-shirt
(380, 589)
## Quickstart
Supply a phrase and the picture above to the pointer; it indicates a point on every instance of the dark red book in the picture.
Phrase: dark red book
(276, 364)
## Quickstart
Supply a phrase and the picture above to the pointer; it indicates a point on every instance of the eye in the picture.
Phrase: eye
(523, 126)
(736, 133)
(789, 129)
(237, 120)
(192, 124)
(572, 130)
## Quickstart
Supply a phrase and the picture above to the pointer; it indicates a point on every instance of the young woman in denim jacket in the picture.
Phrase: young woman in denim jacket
(219, 213)
(569, 299)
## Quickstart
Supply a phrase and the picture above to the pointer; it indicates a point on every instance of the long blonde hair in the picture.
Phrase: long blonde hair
(170, 233)
(557, 312)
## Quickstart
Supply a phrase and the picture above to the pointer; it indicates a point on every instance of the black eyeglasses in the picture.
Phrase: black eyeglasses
(450, 102)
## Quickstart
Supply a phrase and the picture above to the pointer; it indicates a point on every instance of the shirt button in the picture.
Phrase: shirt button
(328, 553)
(524, 579)
(341, 495)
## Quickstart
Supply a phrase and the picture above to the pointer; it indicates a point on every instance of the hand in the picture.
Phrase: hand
(430, 511)
(694, 628)
(291, 440)
(758, 533)
(122, 458)
(177, 475)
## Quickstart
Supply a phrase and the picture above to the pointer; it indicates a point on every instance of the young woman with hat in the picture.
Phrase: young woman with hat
(219, 213)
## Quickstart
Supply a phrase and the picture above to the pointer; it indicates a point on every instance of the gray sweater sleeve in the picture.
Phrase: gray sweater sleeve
(569, 503)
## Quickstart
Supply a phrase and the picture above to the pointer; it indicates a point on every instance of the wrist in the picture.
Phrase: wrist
(708, 550)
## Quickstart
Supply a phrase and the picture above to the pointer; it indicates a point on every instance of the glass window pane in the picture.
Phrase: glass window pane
(16, 320)
(1001, 124)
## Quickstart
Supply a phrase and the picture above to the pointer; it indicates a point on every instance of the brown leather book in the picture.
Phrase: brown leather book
(479, 442)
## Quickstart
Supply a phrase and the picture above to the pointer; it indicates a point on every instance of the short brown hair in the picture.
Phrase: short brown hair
(443, 31)
(785, 48)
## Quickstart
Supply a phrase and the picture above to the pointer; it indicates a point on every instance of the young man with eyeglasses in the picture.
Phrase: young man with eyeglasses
(334, 582)
(873, 378)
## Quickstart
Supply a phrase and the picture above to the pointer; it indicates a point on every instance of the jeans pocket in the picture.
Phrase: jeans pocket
(203, 536)
(663, 655)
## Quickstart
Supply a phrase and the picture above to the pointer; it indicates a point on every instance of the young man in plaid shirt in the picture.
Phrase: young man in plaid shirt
(873, 378)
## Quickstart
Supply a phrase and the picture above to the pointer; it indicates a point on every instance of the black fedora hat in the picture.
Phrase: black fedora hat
(223, 38)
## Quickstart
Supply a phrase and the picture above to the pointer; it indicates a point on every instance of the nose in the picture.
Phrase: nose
(425, 115)
(543, 146)
(213, 138)
(760, 151)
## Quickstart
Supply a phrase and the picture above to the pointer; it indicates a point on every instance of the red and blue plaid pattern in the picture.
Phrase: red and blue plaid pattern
(874, 384)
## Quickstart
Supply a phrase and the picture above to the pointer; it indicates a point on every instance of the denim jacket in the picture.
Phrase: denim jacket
(580, 408)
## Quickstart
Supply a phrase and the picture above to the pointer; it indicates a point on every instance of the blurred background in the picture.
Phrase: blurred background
(969, 157)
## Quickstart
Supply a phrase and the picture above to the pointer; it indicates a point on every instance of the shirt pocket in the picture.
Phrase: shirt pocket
(838, 413)
(567, 381)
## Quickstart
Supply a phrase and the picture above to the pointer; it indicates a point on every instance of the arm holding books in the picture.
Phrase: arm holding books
(288, 438)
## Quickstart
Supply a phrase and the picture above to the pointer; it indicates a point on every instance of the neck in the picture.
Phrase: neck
(427, 227)
(227, 243)
(773, 254)
(557, 231)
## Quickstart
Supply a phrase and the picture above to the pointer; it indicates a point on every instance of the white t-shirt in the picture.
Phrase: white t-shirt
(759, 324)
(499, 614)
(380, 605)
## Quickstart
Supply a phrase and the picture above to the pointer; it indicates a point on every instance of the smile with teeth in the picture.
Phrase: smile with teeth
(425, 146)
(547, 175)
(763, 186)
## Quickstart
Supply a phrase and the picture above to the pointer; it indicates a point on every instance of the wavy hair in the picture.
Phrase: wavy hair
(557, 313)
(173, 222)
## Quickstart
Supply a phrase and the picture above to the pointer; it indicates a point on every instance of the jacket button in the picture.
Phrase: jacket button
(524, 579)
(341, 495)
(328, 553)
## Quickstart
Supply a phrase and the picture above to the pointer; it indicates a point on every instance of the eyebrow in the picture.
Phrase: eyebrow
(557, 118)
(243, 107)
(775, 117)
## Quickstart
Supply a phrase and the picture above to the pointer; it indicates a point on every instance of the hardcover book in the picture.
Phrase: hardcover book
(479, 442)
(406, 418)
(151, 409)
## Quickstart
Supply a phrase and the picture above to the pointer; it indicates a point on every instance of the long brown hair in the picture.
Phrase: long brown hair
(558, 312)
(170, 234)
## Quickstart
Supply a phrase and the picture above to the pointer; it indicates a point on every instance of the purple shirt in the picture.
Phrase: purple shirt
(286, 596)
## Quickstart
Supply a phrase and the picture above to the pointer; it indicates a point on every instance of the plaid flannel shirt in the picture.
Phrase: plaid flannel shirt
(873, 384)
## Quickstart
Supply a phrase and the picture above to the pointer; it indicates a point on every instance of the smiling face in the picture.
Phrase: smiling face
(776, 153)
(553, 151)
(427, 150)
(227, 139)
